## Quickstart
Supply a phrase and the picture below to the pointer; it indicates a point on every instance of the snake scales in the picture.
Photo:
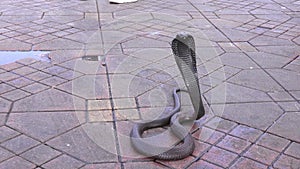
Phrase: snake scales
(183, 47)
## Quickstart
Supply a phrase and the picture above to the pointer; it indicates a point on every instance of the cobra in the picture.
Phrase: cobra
(183, 47)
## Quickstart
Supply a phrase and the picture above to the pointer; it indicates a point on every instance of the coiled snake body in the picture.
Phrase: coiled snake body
(183, 47)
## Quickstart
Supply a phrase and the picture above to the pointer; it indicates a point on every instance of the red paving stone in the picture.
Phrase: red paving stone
(219, 156)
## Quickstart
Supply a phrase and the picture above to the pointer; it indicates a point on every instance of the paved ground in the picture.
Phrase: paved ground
(71, 113)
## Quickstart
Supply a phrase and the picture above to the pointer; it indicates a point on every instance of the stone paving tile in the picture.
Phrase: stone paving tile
(203, 164)
(267, 60)
(286, 126)
(87, 143)
(4, 154)
(273, 142)
(288, 79)
(224, 157)
(252, 113)
(8, 76)
(49, 100)
(256, 79)
(178, 164)
(7, 133)
(221, 124)
(19, 144)
(104, 166)
(233, 144)
(4, 105)
(63, 161)
(35, 88)
(44, 126)
(150, 165)
(286, 162)
(5, 88)
(208, 135)
(261, 154)
(247, 163)
(127, 114)
(20, 82)
(245, 132)
(17, 163)
(25, 70)
(15, 95)
(293, 150)
(40, 154)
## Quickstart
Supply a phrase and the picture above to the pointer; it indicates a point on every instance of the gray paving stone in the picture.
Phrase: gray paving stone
(17, 163)
(45, 125)
(236, 35)
(247, 133)
(4, 105)
(294, 150)
(12, 44)
(288, 79)
(251, 114)
(231, 93)
(288, 51)
(63, 161)
(286, 126)
(2, 119)
(270, 41)
(257, 79)
(267, 60)
(5, 88)
(273, 142)
(4, 154)
(93, 142)
(20, 144)
(49, 100)
(6, 133)
(88, 87)
(40, 154)
(237, 60)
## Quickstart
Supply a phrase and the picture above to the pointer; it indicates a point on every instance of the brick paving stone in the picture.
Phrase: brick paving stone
(53, 81)
(100, 116)
(123, 103)
(35, 88)
(63, 161)
(294, 150)
(219, 156)
(202, 165)
(178, 164)
(273, 142)
(150, 165)
(208, 135)
(40, 65)
(127, 114)
(88, 86)
(261, 154)
(11, 66)
(44, 126)
(3, 119)
(49, 100)
(25, 70)
(5, 88)
(286, 126)
(4, 105)
(40, 154)
(20, 82)
(99, 105)
(252, 114)
(6, 133)
(286, 162)
(37, 76)
(17, 163)
(247, 163)
(8, 76)
(233, 144)
(19, 144)
(104, 166)
(200, 148)
(247, 133)
(4, 154)
(93, 143)
(15, 95)
(221, 124)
